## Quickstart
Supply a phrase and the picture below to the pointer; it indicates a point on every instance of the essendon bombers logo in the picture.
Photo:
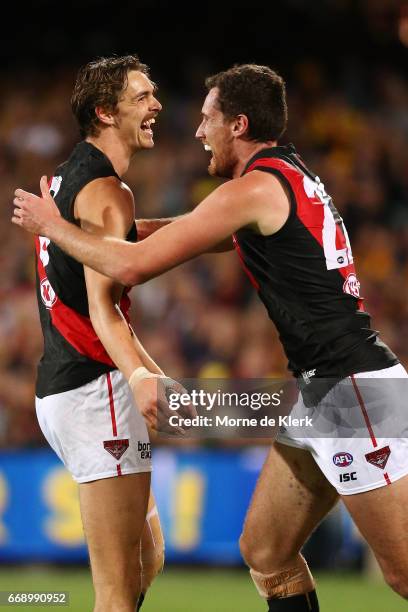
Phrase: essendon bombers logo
(116, 448)
(352, 285)
(47, 293)
(379, 457)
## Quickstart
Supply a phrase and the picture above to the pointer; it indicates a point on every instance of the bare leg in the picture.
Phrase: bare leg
(291, 498)
(152, 546)
(381, 516)
(113, 514)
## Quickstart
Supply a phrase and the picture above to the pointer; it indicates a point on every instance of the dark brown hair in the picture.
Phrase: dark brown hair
(100, 83)
(257, 92)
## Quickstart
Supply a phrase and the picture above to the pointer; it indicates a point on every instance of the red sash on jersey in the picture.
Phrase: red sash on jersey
(77, 329)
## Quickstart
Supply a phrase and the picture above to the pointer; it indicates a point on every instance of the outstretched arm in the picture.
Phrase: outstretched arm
(146, 227)
(233, 205)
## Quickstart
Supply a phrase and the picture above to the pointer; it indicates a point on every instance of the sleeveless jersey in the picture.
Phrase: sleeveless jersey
(305, 276)
(73, 354)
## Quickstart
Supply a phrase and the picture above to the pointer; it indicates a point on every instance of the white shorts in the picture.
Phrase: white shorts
(358, 433)
(96, 430)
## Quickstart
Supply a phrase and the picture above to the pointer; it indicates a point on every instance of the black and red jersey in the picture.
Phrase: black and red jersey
(305, 276)
(73, 353)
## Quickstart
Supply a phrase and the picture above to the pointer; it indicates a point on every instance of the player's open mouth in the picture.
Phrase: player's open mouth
(208, 148)
(146, 126)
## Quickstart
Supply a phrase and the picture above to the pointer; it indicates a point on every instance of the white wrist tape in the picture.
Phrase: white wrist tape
(139, 374)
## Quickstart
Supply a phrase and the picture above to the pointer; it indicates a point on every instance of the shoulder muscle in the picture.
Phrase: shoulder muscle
(105, 206)
(245, 201)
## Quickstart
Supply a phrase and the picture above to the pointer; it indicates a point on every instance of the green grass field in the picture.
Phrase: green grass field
(202, 590)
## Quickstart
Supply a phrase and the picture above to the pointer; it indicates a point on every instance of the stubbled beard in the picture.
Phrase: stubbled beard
(221, 170)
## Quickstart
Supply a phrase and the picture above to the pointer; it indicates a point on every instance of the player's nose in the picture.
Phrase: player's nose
(156, 105)
(200, 131)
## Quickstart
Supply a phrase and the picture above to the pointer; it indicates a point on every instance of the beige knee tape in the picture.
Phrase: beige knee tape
(293, 581)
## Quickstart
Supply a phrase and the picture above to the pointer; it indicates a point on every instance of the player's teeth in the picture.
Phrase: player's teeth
(153, 121)
(207, 147)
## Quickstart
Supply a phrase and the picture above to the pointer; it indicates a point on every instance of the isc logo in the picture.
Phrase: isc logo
(348, 477)
(342, 459)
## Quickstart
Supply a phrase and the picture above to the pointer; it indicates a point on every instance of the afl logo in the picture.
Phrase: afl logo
(352, 286)
(342, 459)
(47, 294)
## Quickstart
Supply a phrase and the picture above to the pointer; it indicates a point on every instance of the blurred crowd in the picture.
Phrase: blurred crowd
(203, 319)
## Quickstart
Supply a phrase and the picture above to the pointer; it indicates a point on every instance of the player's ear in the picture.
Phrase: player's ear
(105, 116)
(240, 125)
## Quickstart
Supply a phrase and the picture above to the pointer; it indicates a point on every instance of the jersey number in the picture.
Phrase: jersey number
(336, 243)
(44, 256)
(334, 235)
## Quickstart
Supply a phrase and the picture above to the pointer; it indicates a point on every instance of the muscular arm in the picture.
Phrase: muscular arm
(146, 227)
(255, 200)
(105, 208)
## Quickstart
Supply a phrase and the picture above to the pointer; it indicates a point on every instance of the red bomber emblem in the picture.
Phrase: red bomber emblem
(47, 294)
(379, 457)
(116, 448)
